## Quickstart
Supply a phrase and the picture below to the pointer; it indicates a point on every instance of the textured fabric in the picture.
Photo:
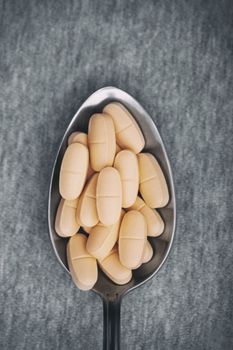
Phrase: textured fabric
(176, 58)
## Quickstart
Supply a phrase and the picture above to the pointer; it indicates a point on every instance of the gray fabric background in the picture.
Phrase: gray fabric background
(176, 58)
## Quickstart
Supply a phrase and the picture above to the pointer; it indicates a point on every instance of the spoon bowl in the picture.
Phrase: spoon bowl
(110, 292)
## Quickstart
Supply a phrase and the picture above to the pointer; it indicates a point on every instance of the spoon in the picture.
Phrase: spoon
(111, 293)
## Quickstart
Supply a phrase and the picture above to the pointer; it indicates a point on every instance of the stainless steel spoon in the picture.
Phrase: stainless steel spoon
(111, 293)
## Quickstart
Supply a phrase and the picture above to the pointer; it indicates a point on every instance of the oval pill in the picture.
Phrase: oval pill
(128, 133)
(66, 224)
(101, 141)
(109, 196)
(81, 137)
(127, 164)
(155, 224)
(86, 210)
(103, 238)
(132, 239)
(82, 266)
(147, 252)
(113, 268)
(73, 171)
(152, 183)
(78, 136)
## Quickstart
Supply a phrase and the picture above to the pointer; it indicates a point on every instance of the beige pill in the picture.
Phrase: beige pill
(81, 137)
(132, 239)
(66, 224)
(155, 224)
(113, 268)
(103, 238)
(86, 210)
(109, 196)
(101, 141)
(78, 136)
(127, 164)
(152, 183)
(128, 133)
(82, 266)
(73, 171)
(147, 253)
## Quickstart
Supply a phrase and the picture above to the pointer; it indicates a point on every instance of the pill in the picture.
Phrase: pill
(113, 268)
(78, 136)
(108, 196)
(101, 141)
(103, 238)
(147, 253)
(155, 224)
(128, 133)
(87, 229)
(86, 210)
(73, 171)
(132, 238)
(152, 183)
(127, 164)
(81, 137)
(65, 223)
(82, 266)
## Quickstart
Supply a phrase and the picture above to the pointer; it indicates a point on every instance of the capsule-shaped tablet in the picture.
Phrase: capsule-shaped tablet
(78, 136)
(147, 253)
(127, 164)
(113, 268)
(86, 210)
(73, 171)
(128, 133)
(152, 183)
(66, 224)
(81, 137)
(103, 238)
(108, 196)
(82, 266)
(101, 141)
(132, 239)
(155, 224)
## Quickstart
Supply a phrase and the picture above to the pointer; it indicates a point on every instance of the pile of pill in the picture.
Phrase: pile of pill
(111, 190)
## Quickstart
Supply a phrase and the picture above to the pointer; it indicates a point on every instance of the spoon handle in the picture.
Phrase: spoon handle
(111, 336)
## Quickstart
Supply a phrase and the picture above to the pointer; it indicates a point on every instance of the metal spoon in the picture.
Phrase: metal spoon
(111, 293)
